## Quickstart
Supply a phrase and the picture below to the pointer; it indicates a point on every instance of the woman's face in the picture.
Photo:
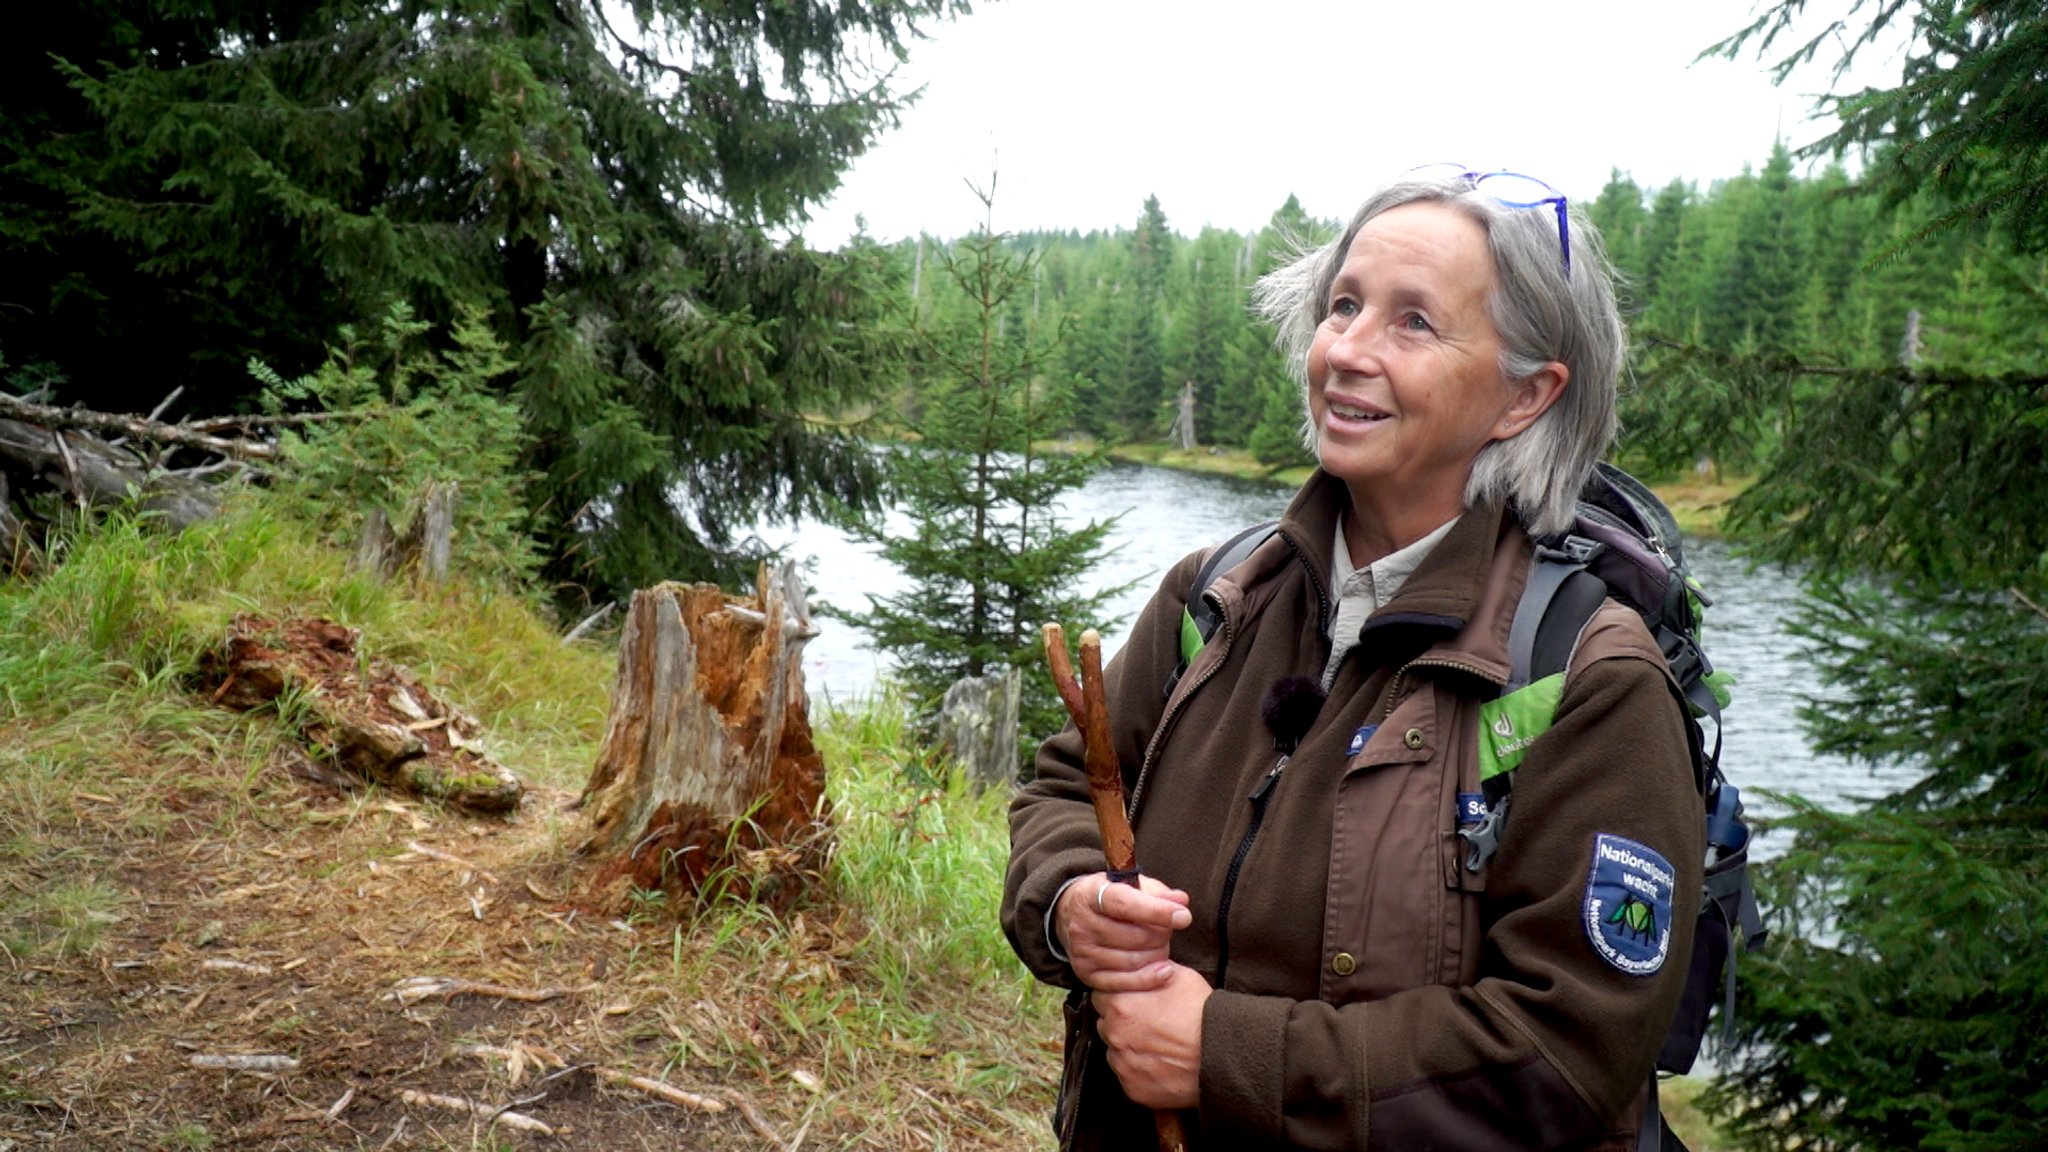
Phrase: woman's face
(1405, 385)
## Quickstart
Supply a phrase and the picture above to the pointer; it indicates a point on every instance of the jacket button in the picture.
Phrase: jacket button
(1343, 964)
(1413, 739)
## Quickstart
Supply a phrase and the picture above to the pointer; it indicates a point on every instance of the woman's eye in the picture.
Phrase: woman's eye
(1416, 322)
(1343, 306)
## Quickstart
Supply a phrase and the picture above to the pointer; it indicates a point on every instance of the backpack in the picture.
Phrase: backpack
(1625, 544)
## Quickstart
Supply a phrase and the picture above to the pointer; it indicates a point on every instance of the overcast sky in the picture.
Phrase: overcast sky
(1085, 107)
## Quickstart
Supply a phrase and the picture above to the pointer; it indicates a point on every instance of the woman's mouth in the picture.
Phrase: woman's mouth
(1353, 414)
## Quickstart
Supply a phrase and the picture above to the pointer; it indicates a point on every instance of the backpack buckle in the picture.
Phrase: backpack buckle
(1483, 839)
(1569, 549)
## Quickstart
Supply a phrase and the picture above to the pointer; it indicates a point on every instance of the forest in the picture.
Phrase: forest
(1773, 263)
(344, 254)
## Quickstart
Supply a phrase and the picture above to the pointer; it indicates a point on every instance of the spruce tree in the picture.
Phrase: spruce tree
(1900, 1003)
(605, 181)
(987, 560)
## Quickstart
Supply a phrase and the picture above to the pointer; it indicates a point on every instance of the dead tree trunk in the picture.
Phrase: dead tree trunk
(707, 781)
(366, 715)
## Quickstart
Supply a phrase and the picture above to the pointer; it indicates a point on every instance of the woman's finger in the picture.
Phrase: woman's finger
(1141, 978)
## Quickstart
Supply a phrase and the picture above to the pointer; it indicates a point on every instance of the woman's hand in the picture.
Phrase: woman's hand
(1155, 1039)
(1116, 935)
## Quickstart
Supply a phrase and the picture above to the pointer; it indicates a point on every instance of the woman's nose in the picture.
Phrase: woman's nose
(1356, 350)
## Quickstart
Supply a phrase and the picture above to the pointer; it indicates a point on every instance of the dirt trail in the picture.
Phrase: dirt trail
(288, 937)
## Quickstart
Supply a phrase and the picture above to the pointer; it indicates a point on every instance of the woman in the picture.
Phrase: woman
(1308, 962)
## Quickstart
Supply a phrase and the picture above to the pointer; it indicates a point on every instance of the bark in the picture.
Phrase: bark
(707, 780)
(425, 544)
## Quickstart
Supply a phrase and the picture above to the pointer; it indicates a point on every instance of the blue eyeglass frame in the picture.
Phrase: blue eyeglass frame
(1556, 199)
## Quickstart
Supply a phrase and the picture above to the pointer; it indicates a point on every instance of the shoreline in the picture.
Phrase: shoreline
(1698, 504)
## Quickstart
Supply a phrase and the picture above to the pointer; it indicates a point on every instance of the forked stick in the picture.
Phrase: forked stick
(1089, 706)
(1090, 709)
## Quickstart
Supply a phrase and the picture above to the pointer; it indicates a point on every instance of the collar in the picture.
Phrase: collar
(1384, 576)
(1476, 571)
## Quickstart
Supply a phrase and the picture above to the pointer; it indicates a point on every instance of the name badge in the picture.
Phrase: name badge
(1471, 808)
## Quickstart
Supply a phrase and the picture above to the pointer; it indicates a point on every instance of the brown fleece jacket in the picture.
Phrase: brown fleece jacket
(1378, 994)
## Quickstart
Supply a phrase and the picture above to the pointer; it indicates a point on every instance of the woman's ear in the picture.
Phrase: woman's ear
(1534, 394)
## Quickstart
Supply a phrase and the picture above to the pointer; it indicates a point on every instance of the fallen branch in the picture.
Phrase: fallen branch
(668, 1092)
(262, 1063)
(2022, 598)
(516, 1120)
(417, 988)
(70, 468)
(516, 1057)
(237, 966)
(415, 846)
(257, 420)
(589, 622)
(164, 404)
(753, 1118)
(135, 427)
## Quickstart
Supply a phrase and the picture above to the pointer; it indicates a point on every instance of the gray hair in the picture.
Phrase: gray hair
(1541, 315)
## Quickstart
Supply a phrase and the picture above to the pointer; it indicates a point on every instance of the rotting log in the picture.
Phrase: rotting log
(707, 779)
(371, 717)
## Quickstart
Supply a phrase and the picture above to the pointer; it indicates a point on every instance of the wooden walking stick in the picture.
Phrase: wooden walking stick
(1089, 707)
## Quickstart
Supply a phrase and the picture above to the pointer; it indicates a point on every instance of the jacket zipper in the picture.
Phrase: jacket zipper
(1260, 795)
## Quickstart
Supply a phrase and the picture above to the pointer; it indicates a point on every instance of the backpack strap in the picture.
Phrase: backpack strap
(1198, 620)
(1559, 599)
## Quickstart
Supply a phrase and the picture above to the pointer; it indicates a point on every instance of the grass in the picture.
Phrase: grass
(167, 887)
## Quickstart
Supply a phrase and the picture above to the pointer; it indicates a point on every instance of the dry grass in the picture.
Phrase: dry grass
(168, 891)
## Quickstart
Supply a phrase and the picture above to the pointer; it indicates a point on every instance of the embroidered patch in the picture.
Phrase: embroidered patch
(1471, 808)
(1628, 904)
(1359, 738)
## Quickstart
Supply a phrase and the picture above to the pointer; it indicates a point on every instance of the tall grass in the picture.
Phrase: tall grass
(131, 609)
(922, 857)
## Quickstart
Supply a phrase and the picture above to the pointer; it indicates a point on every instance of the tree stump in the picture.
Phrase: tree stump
(978, 724)
(425, 544)
(707, 780)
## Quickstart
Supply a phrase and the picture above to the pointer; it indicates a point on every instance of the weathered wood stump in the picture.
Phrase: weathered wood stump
(978, 725)
(707, 781)
(372, 718)
(423, 547)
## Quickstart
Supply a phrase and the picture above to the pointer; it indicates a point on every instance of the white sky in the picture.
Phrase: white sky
(1085, 107)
